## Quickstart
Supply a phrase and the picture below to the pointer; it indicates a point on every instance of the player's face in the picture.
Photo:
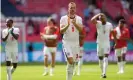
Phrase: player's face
(50, 23)
(103, 18)
(121, 24)
(9, 23)
(72, 9)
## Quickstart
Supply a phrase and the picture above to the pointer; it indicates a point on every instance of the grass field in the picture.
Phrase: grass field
(89, 72)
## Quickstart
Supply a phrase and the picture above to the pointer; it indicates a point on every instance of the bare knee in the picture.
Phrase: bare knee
(46, 57)
(119, 58)
(70, 60)
(8, 63)
(100, 57)
(14, 65)
(106, 55)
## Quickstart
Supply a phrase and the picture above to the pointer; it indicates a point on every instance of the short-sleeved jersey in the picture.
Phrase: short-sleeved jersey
(11, 42)
(103, 32)
(124, 34)
(72, 34)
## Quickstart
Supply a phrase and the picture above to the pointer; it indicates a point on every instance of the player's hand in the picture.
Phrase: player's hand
(101, 14)
(41, 34)
(74, 21)
(12, 30)
(9, 30)
(68, 21)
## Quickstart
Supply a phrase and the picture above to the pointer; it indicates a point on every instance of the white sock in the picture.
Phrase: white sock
(70, 69)
(51, 70)
(79, 65)
(12, 69)
(119, 65)
(123, 65)
(124, 62)
(105, 64)
(9, 76)
(46, 69)
(101, 65)
(74, 70)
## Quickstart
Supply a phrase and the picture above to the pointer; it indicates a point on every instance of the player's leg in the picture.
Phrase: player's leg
(8, 65)
(80, 62)
(70, 61)
(101, 63)
(13, 68)
(14, 61)
(123, 61)
(105, 65)
(119, 59)
(45, 61)
(100, 56)
(53, 61)
(105, 60)
(124, 50)
(70, 68)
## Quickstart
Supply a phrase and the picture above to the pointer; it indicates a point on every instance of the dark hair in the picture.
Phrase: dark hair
(9, 20)
(53, 21)
(122, 21)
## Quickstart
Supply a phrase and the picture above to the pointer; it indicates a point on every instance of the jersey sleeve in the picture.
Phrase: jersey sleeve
(16, 31)
(57, 31)
(4, 34)
(127, 34)
(62, 22)
(80, 21)
(111, 27)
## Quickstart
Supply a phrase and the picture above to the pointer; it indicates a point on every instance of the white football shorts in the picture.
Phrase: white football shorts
(71, 51)
(120, 51)
(103, 49)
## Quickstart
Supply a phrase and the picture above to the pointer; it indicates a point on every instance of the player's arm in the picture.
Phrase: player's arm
(54, 36)
(94, 18)
(63, 27)
(113, 33)
(49, 36)
(82, 34)
(4, 38)
(114, 36)
(16, 36)
(127, 37)
(78, 26)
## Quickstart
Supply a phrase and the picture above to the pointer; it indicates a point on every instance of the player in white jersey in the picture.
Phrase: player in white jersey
(70, 27)
(104, 29)
(10, 36)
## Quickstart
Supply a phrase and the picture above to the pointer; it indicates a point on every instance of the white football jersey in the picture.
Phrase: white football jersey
(11, 43)
(103, 32)
(72, 34)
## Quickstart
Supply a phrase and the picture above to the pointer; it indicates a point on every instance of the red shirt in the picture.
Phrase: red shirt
(124, 34)
(51, 31)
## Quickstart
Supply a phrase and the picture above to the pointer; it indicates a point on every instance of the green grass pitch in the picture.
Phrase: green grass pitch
(89, 72)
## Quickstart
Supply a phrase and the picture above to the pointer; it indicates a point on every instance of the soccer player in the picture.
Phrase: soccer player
(104, 29)
(50, 37)
(70, 27)
(80, 61)
(10, 36)
(121, 37)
